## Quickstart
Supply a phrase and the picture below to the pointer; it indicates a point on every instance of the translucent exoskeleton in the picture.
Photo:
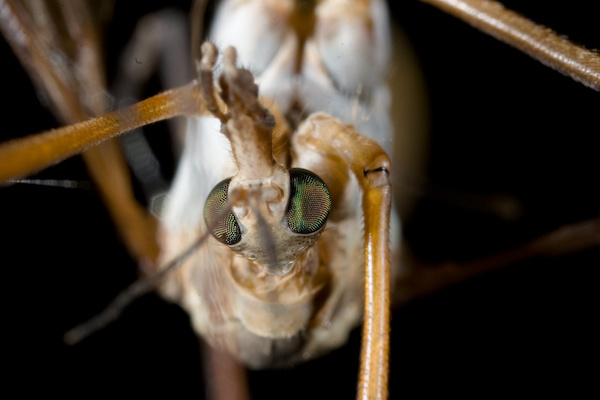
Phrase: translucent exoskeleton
(487, 138)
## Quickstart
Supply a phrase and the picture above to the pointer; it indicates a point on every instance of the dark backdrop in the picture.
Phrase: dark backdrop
(500, 124)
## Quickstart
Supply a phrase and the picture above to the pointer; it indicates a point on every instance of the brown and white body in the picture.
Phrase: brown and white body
(333, 61)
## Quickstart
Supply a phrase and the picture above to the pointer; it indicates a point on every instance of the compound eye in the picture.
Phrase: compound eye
(227, 229)
(310, 202)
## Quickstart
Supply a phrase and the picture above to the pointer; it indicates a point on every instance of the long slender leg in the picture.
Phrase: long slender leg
(533, 39)
(28, 155)
(226, 378)
(67, 86)
(33, 44)
(370, 165)
(159, 44)
(421, 280)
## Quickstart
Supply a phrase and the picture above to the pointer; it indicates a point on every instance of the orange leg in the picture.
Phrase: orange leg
(67, 89)
(370, 165)
(532, 39)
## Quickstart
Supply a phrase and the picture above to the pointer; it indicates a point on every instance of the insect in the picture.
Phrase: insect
(433, 335)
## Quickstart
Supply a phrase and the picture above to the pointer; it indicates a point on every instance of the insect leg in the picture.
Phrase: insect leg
(370, 165)
(74, 91)
(533, 39)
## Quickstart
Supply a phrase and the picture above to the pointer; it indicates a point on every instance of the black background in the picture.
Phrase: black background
(500, 123)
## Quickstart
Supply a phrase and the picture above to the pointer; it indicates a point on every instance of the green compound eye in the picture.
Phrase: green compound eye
(227, 229)
(310, 202)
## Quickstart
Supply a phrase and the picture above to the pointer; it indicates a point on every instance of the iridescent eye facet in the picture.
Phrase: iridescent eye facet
(310, 202)
(227, 229)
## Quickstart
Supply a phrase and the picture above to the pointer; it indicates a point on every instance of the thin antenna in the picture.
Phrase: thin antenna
(61, 183)
(140, 287)
(137, 289)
